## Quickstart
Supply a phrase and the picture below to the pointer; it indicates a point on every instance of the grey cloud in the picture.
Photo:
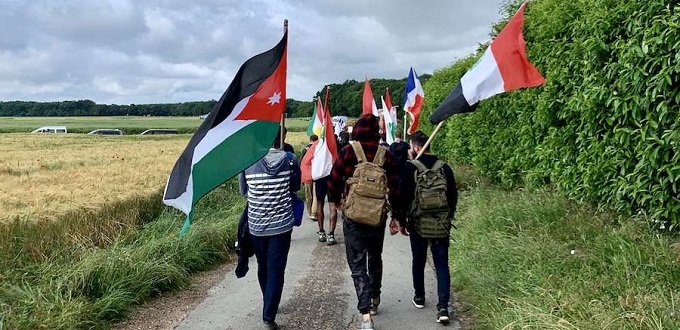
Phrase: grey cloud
(125, 51)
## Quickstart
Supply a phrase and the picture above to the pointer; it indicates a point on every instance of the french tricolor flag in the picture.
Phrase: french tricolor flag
(503, 67)
(414, 96)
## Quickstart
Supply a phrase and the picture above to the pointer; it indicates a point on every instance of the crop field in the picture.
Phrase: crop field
(43, 176)
(128, 124)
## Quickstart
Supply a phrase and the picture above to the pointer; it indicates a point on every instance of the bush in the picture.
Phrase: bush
(604, 127)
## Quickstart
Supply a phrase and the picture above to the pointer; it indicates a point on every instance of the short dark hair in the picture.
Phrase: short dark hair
(399, 135)
(313, 137)
(419, 138)
(277, 140)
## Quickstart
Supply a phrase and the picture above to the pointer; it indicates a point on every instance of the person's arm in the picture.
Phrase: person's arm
(407, 187)
(296, 174)
(339, 172)
(243, 186)
(392, 170)
(451, 189)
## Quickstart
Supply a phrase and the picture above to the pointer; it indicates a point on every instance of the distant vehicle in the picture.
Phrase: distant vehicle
(51, 129)
(106, 131)
(157, 131)
(203, 116)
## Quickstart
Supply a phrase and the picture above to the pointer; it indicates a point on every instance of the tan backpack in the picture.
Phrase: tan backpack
(366, 202)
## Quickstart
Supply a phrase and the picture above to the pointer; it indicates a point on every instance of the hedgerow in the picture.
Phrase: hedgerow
(604, 127)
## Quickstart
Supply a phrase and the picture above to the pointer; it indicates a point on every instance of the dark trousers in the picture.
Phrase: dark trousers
(364, 246)
(272, 255)
(440, 255)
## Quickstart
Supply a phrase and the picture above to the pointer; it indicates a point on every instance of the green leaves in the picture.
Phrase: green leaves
(604, 127)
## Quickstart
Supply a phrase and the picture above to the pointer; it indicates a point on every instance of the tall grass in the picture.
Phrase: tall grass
(93, 279)
(533, 260)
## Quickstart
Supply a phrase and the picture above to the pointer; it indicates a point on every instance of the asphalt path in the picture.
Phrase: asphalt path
(318, 291)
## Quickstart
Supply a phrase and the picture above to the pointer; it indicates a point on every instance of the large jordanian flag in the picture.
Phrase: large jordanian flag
(237, 132)
(503, 67)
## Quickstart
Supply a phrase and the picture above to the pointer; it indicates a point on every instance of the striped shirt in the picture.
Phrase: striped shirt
(267, 186)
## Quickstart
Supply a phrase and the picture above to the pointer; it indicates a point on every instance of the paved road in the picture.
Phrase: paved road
(318, 293)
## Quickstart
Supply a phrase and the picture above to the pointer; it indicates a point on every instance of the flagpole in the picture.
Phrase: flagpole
(405, 122)
(325, 106)
(283, 115)
(436, 130)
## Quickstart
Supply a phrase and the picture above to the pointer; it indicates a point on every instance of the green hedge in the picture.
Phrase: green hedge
(604, 127)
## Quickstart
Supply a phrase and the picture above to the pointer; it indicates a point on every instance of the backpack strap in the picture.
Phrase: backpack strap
(419, 165)
(438, 165)
(379, 156)
(358, 151)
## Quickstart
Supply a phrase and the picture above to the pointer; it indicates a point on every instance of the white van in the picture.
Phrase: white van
(106, 131)
(51, 129)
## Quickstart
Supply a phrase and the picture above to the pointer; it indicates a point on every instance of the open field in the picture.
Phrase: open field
(44, 176)
(128, 124)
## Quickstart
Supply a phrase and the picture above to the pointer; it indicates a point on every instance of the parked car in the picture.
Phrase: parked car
(156, 131)
(51, 129)
(106, 131)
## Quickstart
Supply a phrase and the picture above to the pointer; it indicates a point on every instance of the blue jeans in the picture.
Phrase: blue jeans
(440, 255)
(272, 255)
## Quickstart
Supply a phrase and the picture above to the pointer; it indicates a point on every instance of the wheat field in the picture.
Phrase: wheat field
(45, 176)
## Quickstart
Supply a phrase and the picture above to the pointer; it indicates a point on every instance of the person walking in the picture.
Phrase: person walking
(307, 182)
(428, 191)
(321, 193)
(364, 238)
(400, 149)
(268, 185)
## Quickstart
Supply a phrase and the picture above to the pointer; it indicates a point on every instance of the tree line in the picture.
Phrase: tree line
(345, 100)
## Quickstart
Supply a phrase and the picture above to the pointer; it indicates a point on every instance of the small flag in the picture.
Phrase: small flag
(316, 123)
(389, 119)
(414, 97)
(326, 150)
(369, 105)
(238, 131)
(503, 67)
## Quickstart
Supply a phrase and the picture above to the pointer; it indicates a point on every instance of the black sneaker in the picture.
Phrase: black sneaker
(270, 325)
(443, 316)
(331, 239)
(375, 302)
(419, 302)
(322, 236)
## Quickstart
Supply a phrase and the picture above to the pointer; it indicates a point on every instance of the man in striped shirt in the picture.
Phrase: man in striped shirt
(268, 184)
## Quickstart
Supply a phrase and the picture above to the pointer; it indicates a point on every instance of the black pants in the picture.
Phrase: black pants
(440, 256)
(364, 246)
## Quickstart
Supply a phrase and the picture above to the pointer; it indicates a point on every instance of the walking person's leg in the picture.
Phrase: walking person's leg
(440, 256)
(375, 265)
(321, 190)
(356, 249)
(278, 257)
(418, 261)
(309, 200)
(332, 223)
(260, 247)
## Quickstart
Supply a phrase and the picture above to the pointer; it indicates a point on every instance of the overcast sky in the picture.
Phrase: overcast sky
(167, 51)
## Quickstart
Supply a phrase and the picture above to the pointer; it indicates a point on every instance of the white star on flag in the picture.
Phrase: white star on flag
(276, 98)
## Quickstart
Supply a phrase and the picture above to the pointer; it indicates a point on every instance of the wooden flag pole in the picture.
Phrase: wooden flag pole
(434, 133)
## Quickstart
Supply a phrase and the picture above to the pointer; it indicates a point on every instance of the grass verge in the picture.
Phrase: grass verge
(533, 260)
(93, 279)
